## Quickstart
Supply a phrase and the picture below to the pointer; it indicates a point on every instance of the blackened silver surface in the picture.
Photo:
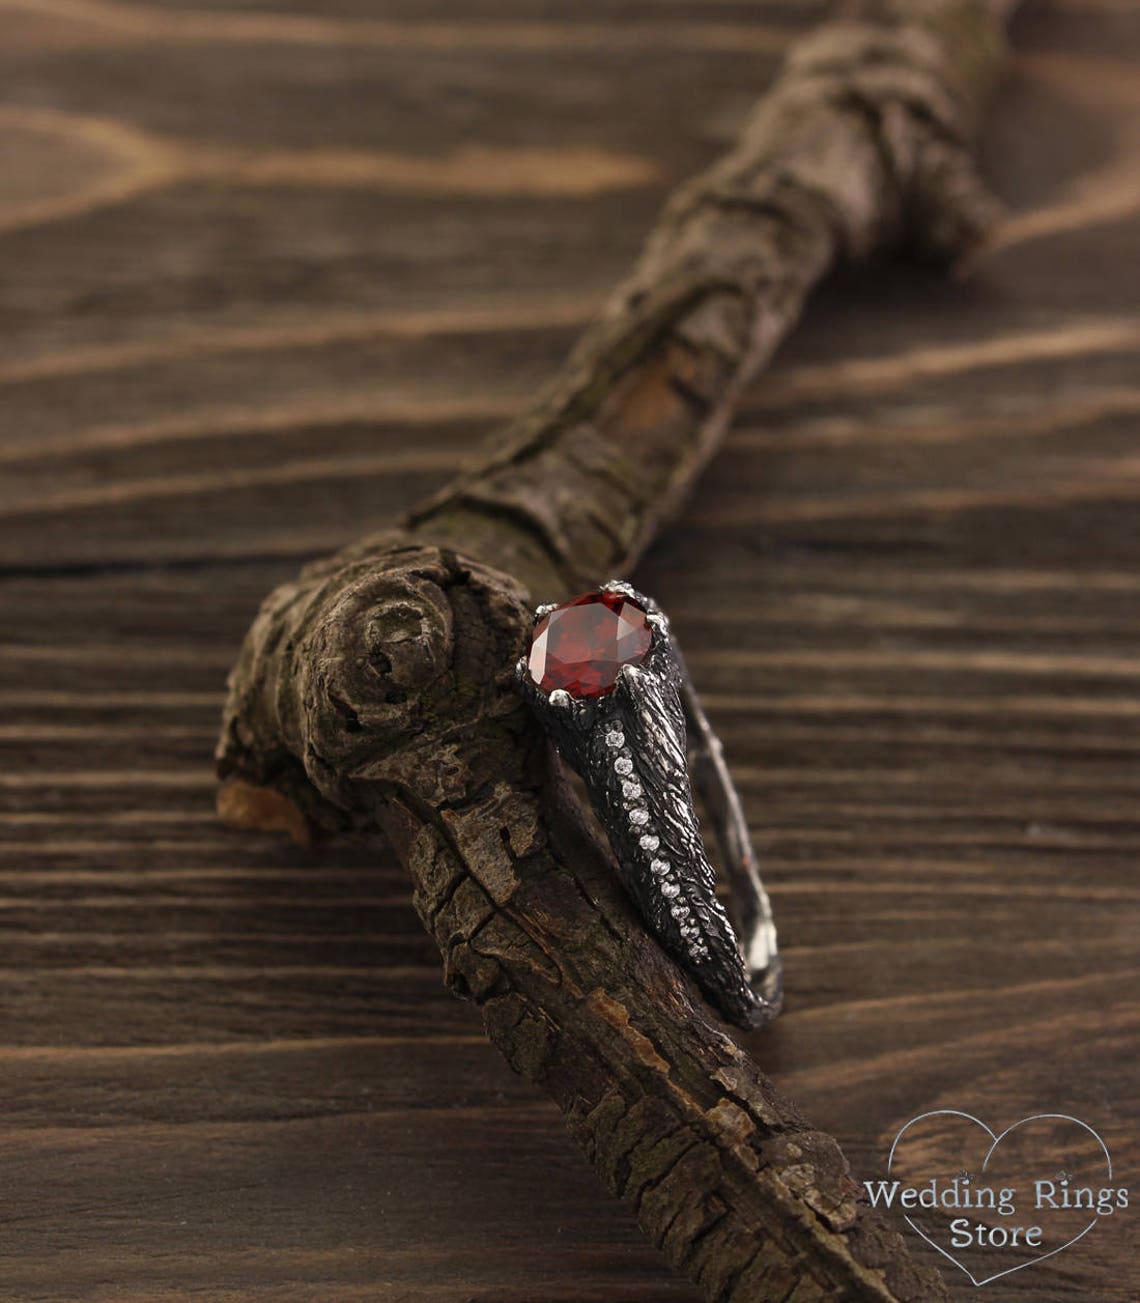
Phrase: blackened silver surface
(632, 749)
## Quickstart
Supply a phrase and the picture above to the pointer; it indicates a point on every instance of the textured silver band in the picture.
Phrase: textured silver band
(641, 749)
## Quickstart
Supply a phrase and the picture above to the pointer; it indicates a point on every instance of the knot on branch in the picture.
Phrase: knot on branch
(371, 670)
(917, 84)
(862, 144)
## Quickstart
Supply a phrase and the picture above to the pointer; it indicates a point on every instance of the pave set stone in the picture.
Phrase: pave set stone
(661, 869)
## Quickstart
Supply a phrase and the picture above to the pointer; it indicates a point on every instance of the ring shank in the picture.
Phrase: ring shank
(748, 905)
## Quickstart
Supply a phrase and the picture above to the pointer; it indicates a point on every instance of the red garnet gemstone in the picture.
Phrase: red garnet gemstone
(581, 645)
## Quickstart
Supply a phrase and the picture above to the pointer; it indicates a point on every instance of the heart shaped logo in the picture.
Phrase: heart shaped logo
(994, 1203)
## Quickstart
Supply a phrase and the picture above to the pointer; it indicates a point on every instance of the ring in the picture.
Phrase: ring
(607, 680)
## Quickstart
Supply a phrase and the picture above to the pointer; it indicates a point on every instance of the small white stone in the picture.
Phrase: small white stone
(690, 930)
(631, 789)
(680, 911)
(623, 765)
(669, 890)
(615, 738)
(659, 866)
(649, 842)
(638, 817)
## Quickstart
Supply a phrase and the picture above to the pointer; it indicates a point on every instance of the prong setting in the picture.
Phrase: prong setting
(628, 676)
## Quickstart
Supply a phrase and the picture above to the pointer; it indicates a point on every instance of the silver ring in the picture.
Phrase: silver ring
(605, 677)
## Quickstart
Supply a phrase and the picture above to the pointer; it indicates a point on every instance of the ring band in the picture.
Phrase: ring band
(606, 679)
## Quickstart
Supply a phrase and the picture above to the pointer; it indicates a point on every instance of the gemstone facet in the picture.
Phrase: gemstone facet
(581, 645)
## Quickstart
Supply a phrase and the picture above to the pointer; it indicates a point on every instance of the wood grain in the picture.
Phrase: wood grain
(230, 1068)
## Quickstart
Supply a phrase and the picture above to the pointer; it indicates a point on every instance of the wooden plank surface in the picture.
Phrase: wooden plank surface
(269, 272)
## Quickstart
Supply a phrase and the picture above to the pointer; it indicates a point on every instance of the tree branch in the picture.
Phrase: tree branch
(376, 691)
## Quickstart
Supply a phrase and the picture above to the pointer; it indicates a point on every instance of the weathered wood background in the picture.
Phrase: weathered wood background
(266, 274)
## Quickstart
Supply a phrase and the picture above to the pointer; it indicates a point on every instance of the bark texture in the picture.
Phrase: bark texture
(376, 692)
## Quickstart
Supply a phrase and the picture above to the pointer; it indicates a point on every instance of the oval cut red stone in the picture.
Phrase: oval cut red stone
(581, 645)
